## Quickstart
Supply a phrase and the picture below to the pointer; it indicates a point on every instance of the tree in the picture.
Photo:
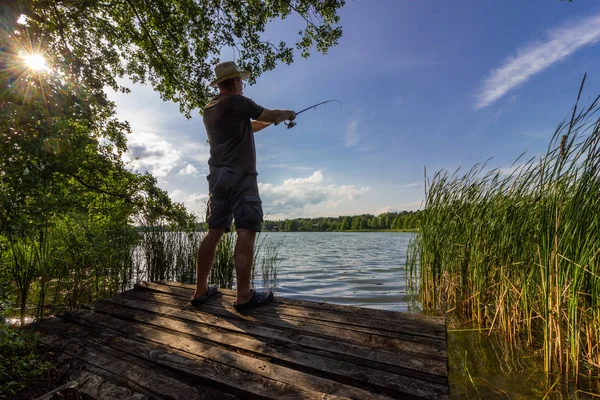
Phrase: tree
(346, 224)
(61, 147)
(170, 44)
(291, 225)
(323, 226)
(364, 223)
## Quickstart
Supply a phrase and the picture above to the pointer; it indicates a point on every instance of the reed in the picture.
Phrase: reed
(223, 271)
(166, 254)
(270, 263)
(518, 251)
(266, 255)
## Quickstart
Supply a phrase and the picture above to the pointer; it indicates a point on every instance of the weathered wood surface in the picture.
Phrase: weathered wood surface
(152, 341)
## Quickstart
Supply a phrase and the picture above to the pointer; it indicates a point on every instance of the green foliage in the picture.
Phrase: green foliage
(19, 361)
(67, 199)
(386, 221)
(173, 44)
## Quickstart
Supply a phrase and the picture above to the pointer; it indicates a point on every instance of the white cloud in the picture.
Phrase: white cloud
(154, 154)
(195, 151)
(412, 185)
(560, 43)
(316, 177)
(297, 197)
(351, 137)
(148, 151)
(188, 170)
(286, 166)
(412, 206)
(196, 198)
(175, 195)
(194, 202)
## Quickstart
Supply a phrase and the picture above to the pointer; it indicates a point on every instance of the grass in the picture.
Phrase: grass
(519, 251)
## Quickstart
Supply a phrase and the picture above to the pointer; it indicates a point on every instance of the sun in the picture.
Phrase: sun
(36, 62)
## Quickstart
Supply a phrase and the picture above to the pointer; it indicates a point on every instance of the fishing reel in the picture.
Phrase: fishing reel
(291, 124)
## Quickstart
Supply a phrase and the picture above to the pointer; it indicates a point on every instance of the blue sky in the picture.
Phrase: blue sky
(441, 84)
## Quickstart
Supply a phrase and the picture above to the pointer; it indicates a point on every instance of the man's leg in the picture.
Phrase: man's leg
(243, 257)
(248, 215)
(205, 259)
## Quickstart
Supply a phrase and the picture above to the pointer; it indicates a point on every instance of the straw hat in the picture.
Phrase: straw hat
(228, 70)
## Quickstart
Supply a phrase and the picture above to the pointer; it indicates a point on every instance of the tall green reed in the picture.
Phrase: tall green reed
(66, 262)
(518, 250)
(75, 259)
(166, 254)
(223, 270)
(270, 262)
(266, 255)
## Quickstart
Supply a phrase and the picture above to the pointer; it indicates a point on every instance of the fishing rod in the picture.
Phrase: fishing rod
(292, 124)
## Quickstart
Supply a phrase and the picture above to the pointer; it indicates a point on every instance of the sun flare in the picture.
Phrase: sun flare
(35, 62)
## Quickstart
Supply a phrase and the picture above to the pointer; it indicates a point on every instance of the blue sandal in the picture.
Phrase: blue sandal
(212, 290)
(259, 298)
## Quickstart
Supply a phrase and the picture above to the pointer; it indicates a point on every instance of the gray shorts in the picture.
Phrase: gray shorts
(233, 194)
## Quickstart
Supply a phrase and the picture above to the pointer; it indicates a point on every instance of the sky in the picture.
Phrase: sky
(428, 84)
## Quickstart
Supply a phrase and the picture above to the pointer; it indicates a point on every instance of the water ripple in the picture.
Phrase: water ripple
(361, 269)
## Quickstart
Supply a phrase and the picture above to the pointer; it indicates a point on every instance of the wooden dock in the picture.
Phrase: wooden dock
(150, 342)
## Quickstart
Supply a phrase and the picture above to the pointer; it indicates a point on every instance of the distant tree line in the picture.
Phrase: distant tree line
(389, 220)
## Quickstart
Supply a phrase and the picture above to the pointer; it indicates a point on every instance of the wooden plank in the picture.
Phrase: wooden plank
(86, 385)
(329, 331)
(259, 367)
(204, 371)
(376, 381)
(272, 317)
(372, 313)
(117, 367)
(227, 356)
(99, 388)
(408, 329)
(334, 348)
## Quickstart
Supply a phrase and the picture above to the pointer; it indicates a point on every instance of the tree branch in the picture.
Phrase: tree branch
(97, 189)
(162, 59)
(302, 15)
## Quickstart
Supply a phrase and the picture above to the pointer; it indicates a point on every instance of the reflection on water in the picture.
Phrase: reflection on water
(485, 367)
(367, 269)
(360, 269)
(17, 321)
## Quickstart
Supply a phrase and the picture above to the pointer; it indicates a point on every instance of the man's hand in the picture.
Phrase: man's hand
(285, 115)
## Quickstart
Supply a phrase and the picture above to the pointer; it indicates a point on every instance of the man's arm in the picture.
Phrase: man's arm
(275, 116)
(258, 125)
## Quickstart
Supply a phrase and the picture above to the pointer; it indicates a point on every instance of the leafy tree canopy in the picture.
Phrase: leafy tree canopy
(171, 44)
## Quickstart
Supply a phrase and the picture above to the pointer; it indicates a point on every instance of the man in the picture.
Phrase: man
(231, 120)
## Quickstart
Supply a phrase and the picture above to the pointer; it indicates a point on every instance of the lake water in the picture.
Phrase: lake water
(354, 268)
(367, 269)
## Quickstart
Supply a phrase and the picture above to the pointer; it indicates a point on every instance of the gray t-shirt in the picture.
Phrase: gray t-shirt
(227, 119)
